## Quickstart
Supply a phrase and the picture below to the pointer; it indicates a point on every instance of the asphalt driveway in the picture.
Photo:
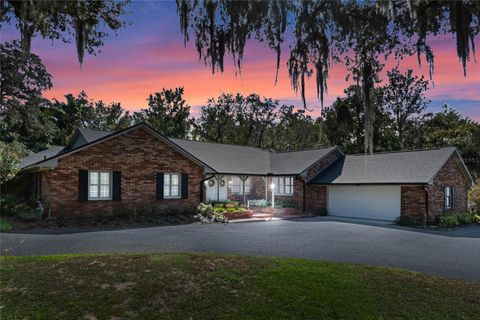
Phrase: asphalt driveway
(454, 254)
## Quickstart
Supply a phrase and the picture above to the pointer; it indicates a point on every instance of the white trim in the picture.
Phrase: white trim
(110, 185)
(179, 196)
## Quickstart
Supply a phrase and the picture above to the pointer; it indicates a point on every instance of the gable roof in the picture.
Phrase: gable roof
(74, 146)
(235, 159)
(215, 157)
(412, 167)
(40, 156)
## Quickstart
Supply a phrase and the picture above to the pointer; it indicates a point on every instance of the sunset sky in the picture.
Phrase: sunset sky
(149, 55)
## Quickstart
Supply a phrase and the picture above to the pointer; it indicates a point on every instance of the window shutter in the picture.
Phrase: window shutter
(117, 185)
(160, 185)
(184, 186)
(452, 195)
(82, 185)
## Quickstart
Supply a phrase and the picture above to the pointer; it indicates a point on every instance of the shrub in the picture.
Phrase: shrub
(5, 225)
(27, 213)
(448, 221)
(9, 205)
(207, 214)
(320, 212)
(408, 221)
(465, 217)
(258, 203)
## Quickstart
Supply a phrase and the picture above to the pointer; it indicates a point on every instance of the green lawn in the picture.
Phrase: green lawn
(194, 286)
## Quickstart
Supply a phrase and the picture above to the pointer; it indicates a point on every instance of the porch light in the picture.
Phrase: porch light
(272, 186)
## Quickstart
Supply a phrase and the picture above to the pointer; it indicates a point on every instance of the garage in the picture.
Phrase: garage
(364, 201)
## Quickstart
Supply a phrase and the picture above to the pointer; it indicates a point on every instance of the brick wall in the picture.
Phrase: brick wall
(322, 164)
(139, 156)
(450, 175)
(413, 201)
(315, 197)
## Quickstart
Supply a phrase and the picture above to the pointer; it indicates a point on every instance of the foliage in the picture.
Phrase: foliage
(81, 112)
(29, 214)
(258, 203)
(455, 219)
(237, 119)
(320, 212)
(449, 128)
(404, 98)
(448, 221)
(207, 214)
(10, 156)
(87, 21)
(229, 206)
(408, 221)
(167, 112)
(9, 204)
(23, 76)
(474, 197)
(360, 34)
(5, 226)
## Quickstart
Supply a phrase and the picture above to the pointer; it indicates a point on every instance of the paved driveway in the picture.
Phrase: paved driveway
(454, 254)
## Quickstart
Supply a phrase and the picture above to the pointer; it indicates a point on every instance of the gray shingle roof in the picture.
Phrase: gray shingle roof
(383, 168)
(297, 161)
(92, 134)
(226, 158)
(39, 156)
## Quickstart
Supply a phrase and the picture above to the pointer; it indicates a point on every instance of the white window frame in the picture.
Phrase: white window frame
(236, 185)
(169, 185)
(280, 186)
(449, 193)
(98, 184)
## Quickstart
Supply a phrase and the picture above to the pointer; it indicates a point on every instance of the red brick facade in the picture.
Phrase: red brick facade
(414, 198)
(139, 156)
(450, 174)
(413, 201)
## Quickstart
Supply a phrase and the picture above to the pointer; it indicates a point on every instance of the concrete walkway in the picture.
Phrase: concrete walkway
(454, 254)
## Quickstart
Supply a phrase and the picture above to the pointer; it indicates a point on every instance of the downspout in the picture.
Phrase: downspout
(425, 217)
(201, 186)
(304, 195)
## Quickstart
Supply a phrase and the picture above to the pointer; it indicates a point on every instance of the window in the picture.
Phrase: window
(99, 185)
(448, 197)
(284, 186)
(171, 185)
(237, 186)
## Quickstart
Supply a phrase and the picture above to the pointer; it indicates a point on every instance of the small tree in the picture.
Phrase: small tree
(10, 156)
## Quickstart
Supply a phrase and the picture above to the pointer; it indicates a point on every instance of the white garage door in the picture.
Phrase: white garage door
(371, 202)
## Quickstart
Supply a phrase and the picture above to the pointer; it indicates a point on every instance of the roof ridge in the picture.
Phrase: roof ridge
(301, 150)
(223, 144)
(399, 151)
(93, 129)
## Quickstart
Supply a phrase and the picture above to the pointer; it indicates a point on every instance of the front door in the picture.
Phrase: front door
(216, 189)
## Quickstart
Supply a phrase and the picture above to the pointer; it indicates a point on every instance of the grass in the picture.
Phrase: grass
(5, 225)
(200, 286)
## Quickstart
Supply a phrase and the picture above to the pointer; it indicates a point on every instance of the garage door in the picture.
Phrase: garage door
(371, 202)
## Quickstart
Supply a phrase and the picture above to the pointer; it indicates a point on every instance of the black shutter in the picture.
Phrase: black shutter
(82, 185)
(160, 185)
(184, 186)
(117, 185)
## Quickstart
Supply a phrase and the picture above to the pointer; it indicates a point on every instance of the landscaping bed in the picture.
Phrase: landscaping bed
(207, 286)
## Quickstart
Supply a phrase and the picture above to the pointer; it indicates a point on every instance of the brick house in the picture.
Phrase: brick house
(99, 172)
